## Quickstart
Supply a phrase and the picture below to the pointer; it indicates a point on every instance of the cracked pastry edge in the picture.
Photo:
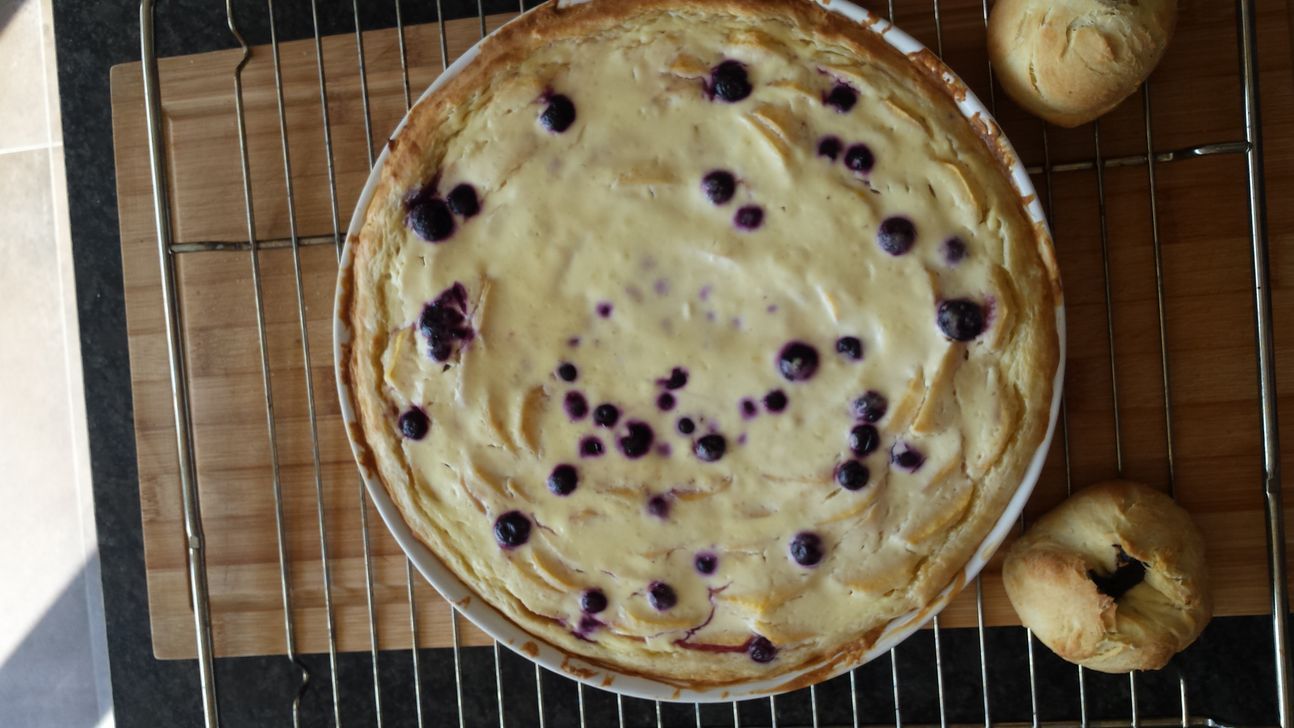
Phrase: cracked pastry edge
(1033, 363)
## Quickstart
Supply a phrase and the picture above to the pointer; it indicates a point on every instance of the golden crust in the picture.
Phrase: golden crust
(1046, 577)
(1072, 61)
(1026, 362)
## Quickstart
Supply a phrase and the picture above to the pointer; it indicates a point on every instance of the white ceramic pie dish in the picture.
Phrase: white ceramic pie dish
(508, 633)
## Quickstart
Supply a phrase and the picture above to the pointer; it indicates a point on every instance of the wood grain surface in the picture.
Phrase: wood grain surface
(1203, 224)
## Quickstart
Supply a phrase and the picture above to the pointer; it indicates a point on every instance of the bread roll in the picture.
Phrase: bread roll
(1070, 61)
(1112, 579)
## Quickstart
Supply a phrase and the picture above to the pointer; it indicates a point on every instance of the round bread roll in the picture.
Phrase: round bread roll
(1070, 61)
(1112, 579)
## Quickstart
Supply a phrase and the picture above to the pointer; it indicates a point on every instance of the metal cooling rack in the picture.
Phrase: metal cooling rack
(1250, 148)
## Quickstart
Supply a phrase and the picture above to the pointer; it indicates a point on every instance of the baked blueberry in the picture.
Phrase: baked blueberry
(852, 475)
(830, 147)
(748, 408)
(850, 347)
(444, 322)
(591, 447)
(806, 548)
(729, 82)
(842, 97)
(859, 158)
(587, 626)
(961, 319)
(749, 217)
(414, 423)
(907, 458)
(576, 406)
(775, 401)
(438, 317)
(604, 309)
(661, 596)
(558, 115)
(665, 401)
(1128, 572)
(954, 250)
(593, 601)
(440, 349)
(568, 372)
(637, 441)
(719, 186)
(686, 426)
(871, 407)
(677, 379)
(512, 529)
(896, 235)
(797, 361)
(761, 650)
(563, 479)
(864, 439)
(430, 218)
(658, 505)
(606, 415)
(710, 448)
(706, 563)
(463, 202)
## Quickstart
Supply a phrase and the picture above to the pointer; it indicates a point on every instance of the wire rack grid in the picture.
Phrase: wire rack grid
(1250, 147)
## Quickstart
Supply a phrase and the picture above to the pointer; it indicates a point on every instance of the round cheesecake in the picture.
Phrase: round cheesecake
(700, 339)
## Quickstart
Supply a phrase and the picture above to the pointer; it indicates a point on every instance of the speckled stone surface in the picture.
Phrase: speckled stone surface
(1229, 670)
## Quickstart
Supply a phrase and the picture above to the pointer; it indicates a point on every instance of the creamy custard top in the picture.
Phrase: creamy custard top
(699, 343)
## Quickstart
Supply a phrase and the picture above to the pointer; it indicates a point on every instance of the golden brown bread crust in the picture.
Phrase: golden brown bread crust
(1047, 578)
(1071, 61)
(421, 146)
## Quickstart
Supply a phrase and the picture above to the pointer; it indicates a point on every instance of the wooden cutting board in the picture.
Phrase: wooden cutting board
(1203, 222)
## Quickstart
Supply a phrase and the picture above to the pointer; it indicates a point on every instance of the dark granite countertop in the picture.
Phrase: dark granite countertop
(1230, 671)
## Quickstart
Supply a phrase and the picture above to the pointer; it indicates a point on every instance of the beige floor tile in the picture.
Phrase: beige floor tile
(43, 543)
(22, 76)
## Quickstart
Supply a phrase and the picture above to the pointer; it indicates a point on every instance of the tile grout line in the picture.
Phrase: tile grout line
(21, 148)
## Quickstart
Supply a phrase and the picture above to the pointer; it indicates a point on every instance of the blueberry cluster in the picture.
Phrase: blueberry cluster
(864, 439)
(858, 158)
(444, 322)
(432, 218)
(637, 439)
(719, 187)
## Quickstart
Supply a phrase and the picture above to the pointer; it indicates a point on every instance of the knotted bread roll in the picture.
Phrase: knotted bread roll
(1112, 579)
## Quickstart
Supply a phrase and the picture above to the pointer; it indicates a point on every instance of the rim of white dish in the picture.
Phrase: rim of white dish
(509, 634)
